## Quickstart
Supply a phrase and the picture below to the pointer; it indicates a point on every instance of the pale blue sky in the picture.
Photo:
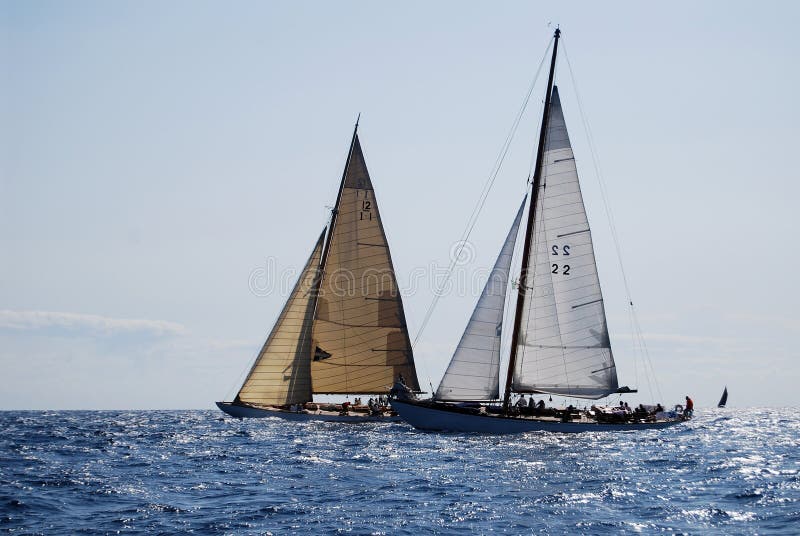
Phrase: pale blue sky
(155, 154)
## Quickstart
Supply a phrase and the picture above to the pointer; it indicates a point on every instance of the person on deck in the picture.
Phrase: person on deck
(400, 390)
(688, 411)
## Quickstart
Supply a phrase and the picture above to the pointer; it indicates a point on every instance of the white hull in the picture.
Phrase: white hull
(428, 418)
(249, 412)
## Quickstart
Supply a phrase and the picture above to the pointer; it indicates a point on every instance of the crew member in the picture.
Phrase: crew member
(689, 409)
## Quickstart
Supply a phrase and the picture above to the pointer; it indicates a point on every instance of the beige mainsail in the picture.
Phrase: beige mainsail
(282, 372)
(361, 342)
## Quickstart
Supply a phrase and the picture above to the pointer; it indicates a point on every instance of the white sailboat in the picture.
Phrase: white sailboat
(342, 330)
(560, 343)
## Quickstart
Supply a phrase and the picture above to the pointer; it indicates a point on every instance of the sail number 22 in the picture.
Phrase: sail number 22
(565, 252)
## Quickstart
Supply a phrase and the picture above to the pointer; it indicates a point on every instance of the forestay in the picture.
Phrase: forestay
(473, 372)
(564, 347)
(360, 336)
(282, 372)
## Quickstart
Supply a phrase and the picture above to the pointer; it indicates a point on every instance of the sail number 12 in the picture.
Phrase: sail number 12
(564, 267)
(366, 208)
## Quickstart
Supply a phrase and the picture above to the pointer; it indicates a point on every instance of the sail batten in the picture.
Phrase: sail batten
(281, 373)
(359, 323)
(473, 372)
(563, 343)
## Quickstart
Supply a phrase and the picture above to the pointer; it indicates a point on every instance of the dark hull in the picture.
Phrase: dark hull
(250, 412)
(426, 417)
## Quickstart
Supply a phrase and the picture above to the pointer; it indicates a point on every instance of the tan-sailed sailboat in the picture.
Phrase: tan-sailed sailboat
(342, 330)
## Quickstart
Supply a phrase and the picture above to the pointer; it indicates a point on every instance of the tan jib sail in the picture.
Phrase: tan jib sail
(361, 342)
(282, 372)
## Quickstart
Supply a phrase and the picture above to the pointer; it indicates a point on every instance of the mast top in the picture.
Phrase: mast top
(358, 119)
(557, 33)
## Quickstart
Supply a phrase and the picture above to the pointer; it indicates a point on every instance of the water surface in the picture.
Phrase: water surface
(95, 472)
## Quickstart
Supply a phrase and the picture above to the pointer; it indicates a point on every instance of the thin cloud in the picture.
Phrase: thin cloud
(690, 339)
(771, 321)
(85, 324)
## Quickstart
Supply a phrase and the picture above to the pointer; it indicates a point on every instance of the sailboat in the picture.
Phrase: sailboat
(724, 398)
(560, 343)
(342, 330)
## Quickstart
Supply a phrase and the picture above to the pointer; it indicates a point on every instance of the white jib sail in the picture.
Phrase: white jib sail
(473, 372)
(564, 347)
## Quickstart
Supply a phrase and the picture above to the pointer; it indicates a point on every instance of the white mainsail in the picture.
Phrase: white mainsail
(563, 343)
(282, 371)
(473, 372)
(360, 336)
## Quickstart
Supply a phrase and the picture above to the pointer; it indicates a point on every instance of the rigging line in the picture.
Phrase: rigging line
(240, 381)
(611, 223)
(481, 199)
(634, 344)
(648, 360)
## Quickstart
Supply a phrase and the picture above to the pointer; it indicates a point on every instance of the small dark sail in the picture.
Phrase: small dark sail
(724, 399)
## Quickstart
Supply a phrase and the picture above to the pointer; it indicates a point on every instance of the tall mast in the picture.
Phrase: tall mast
(335, 209)
(537, 176)
(327, 247)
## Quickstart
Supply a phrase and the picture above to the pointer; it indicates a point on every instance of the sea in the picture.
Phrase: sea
(729, 471)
